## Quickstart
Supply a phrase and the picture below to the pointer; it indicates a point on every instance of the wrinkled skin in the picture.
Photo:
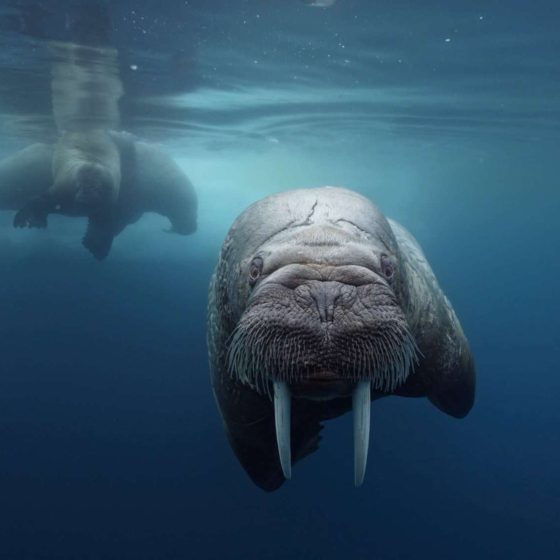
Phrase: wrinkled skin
(312, 321)
(316, 288)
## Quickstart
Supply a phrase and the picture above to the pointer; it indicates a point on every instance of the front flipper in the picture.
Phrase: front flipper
(255, 446)
(453, 387)
(34, 214)
(99, 237)
(250, 427)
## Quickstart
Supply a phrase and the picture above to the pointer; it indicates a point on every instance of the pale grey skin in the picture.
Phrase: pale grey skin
(325, 241)
(150, 181)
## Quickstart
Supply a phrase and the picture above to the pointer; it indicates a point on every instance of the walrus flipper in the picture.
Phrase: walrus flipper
(453, 390)
(255, 447)
(446, 370)
(249, 423)
(99, 237)
(35, 212)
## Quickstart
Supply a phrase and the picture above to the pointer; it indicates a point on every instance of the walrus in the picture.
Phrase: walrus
(92, 171)
(86, 161)
(117, 180)
(319, 305)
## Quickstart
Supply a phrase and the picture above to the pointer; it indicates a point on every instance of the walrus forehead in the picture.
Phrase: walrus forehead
(281, 253)
(324, 244)
(283, 214)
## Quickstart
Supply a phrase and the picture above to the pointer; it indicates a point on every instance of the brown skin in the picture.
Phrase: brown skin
(316, 288)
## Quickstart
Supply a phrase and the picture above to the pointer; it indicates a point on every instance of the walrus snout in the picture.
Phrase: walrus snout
(95, 186)
(91, 194)
(321, 329)
(324, 297)
(322, 288)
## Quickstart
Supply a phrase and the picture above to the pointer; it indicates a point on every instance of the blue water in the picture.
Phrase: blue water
(448, 116)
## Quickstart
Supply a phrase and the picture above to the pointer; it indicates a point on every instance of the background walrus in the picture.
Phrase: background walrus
(318, 305)
(150, 181)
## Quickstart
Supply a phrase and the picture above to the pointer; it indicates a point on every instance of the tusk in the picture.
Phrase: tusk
(361, 405)
(282, 420)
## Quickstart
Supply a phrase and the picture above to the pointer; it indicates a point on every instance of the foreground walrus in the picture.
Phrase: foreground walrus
(112, 190)
(319, 304)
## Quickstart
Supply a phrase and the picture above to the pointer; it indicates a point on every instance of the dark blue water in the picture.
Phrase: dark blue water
(111, 446)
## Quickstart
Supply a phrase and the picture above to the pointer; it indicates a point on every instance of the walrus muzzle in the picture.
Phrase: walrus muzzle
(321, 333)
(96, 188)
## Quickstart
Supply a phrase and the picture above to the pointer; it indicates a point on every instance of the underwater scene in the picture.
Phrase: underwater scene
(367, 370)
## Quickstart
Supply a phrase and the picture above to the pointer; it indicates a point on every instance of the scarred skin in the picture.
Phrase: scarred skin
(110, 178)
(319, 276)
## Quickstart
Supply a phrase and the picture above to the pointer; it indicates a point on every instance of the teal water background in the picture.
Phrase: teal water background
(448, 117)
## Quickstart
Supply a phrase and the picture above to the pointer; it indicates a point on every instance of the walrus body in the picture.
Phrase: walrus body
(318, 305)
(110, 178)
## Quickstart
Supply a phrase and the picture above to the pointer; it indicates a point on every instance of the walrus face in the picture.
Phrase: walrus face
(322, 318)
(95, 187)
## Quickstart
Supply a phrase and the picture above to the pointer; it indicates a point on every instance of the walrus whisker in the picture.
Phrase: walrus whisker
(259, 353)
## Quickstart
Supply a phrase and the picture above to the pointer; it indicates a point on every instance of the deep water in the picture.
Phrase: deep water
(111, 446)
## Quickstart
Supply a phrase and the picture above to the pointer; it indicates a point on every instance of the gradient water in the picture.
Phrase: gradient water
(448, 116)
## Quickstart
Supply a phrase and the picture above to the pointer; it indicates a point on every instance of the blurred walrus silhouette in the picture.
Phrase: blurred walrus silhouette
(318, 305)
(150, 181)
(94, 171)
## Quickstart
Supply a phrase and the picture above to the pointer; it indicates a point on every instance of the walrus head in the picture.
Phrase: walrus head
(317, 308)
(322, 315)
(95, 187)
(86, 171)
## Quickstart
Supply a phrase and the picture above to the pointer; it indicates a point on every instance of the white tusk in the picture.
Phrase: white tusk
(361, 405)
(283, 422)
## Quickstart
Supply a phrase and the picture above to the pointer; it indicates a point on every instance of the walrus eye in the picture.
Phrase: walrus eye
(255, 270)
(387, 267)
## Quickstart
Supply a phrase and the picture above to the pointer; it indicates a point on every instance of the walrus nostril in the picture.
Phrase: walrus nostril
(325, 296)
